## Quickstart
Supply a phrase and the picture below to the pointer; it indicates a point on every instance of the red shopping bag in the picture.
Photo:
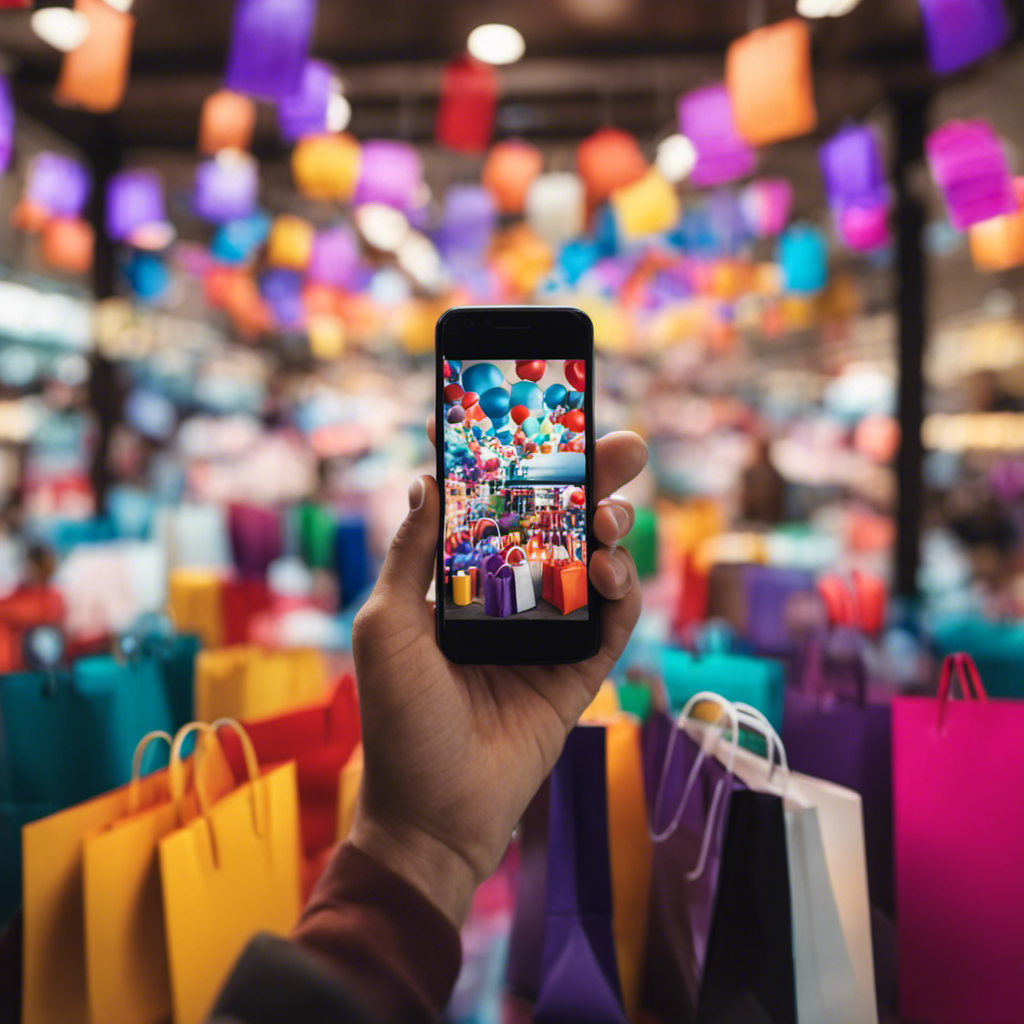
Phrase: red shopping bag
(320, 740)
(242, 601)
(21, 611)
(693, 596)
(570, 587)
(958, 802)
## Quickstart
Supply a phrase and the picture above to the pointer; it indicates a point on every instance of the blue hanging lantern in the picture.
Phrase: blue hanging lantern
(238, 240)
(147, 275)
(803, 257)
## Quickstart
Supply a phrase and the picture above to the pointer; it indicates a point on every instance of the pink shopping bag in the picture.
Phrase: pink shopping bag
(958, 796)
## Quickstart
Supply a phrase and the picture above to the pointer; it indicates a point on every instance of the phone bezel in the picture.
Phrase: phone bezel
(517, 332)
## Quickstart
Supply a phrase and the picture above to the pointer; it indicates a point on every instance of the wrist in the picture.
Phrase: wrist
(431, 866)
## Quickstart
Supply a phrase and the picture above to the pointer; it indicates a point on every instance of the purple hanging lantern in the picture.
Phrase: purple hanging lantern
(960, 32)
(270, 42)
(282, 291)
(6, 123)
(391, 173)
(227, 187)
(706, 119)
(136, 212)
(305, 112)
(58, 184)
(766, 205)
(968, 163)
(469, 219)
(851, 162)
(335, 258)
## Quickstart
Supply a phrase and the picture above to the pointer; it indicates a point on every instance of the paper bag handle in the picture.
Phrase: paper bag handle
(252, 767)
(140, 752)
(967, 673)
(515, 547)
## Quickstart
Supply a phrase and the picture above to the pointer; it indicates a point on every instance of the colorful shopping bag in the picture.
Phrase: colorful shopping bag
(315, 528)
(243, 601)
(250, 683)
(24, 609)
(194, 600)
(195, 536)
(499, 588)
(997, 648)
(256, 538)
(522, 581)
(579, 972)
(228, 874)
(351, 557)
(570, 587)
(462, 588)
(642, 542)
(958, 796)
(770, 588)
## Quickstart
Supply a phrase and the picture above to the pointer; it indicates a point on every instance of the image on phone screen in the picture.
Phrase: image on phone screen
(515, 471)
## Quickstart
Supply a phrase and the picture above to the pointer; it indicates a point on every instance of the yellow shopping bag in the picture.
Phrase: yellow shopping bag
(54, 987)
(348, 792)
(126, 952)
(194, 597)
(250, 683)
(230, 873)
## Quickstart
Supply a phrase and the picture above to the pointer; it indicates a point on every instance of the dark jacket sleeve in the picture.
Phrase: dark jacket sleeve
(368, 949)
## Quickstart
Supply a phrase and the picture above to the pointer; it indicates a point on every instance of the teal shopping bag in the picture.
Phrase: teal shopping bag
(997, 649)
(176, 661)
(736, 677)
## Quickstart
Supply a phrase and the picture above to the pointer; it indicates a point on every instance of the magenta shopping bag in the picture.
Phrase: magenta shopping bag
(958, 793)
(579, 972)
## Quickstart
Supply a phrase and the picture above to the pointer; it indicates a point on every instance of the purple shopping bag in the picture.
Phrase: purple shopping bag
(681, 907)
(770, 589)
(579, 972)
(499, 588)
(255, 538)
(838, 728)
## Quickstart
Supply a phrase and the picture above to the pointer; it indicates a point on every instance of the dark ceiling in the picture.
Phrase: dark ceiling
(588, 61)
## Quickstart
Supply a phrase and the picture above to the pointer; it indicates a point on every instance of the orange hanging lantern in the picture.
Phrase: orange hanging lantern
(291, 243)
(94, 76)
(67, 244)
(508, 173)
(646, 207)
(768, 72)
(998, 243)
(465, 115)
(227, 121)
(327, 166)
(607, 160)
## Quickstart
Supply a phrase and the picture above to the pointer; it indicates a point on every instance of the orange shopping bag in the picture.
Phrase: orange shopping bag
(228, 874)
(570, 587)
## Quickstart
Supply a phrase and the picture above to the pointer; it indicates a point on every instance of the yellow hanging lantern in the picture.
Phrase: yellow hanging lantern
(647, 206)
(326, 336)
(291, 243)
(227, 121)
(998, 243)
(522, 258)
(327, 166)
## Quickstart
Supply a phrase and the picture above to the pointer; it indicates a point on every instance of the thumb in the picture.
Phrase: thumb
(409, 566)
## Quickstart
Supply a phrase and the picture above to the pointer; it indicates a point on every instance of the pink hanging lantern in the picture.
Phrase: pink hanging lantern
(706, 119)
(6, 123)
(391, 173)
(863, 228)
(270, 42)
(960, 32)
(335, 258)
(766, 205)
(305, 112)
(227, 187)
(968, 163)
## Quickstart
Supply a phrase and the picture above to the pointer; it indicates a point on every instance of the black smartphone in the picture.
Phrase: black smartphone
(515, 461)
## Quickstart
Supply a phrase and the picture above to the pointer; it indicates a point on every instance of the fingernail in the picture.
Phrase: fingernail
(416, 494)
(621, 573)
(621, 518)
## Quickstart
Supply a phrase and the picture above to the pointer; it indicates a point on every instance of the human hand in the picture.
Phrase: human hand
(454, 753)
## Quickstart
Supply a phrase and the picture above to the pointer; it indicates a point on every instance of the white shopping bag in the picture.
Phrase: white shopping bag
(537, 576)
(522, 579)
(195, 537)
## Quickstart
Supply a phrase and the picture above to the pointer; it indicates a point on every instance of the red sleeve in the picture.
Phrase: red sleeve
(390, 945)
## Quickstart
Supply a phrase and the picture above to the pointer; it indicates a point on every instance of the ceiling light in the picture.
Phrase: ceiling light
(825, 8)
(496, 44)
(61, 27)
(676, 157)
(339, 112)
(121, 5)
(383, 227)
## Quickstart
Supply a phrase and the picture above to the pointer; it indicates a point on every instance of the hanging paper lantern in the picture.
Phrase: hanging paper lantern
(803, 256)
(68, 245)
(226, 187)
(227, 121)
(148, 276)
(94, 76)
(998, 244)
(508, 171)
(58, 184)
(391, 173)
(304, 112)
(959, 32)
(706, 119)
(335, 257)
(326, 336)
(968, 163)
(863, 228)
(327, 166)
(136, 212)
(238, 240)
(851, 162)
(607, 160)
(291, 243)
(468, 220)
(270, 42)
(555, 207)
(766, 205)
(282, 291)
(646, 207)
(6, 123)
(465, 113)
(768, 73)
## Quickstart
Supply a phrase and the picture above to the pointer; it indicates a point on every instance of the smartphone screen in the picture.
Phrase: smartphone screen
(515, 461)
